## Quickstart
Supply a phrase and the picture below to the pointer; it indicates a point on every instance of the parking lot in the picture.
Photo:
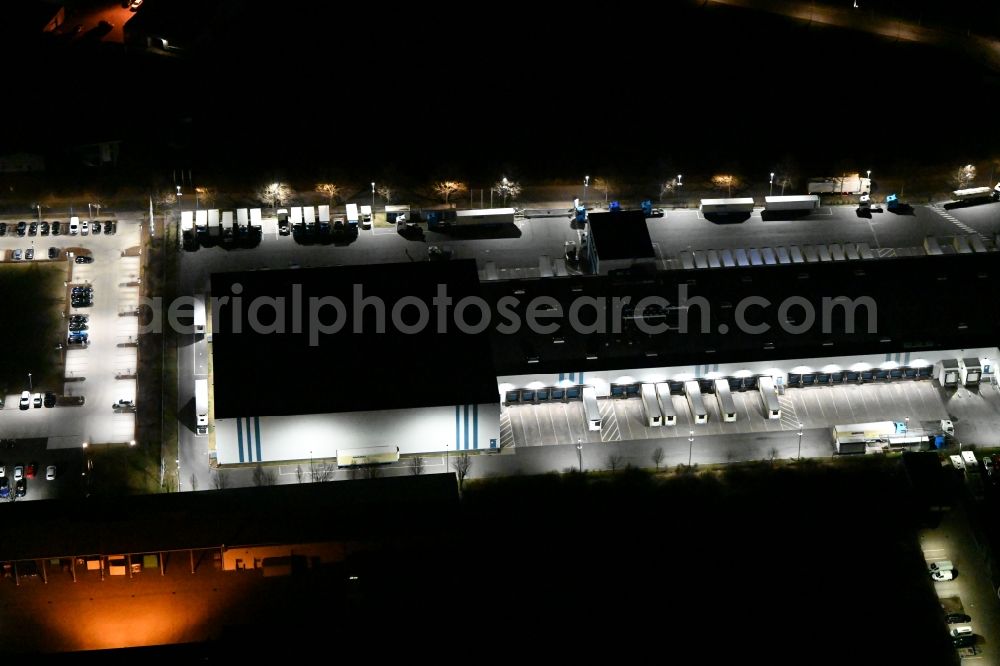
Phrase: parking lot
(103, 371)
(815, 407)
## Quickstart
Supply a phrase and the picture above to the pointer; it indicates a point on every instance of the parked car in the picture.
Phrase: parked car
(36, 400)
(21, 228)
(18, 472)
(50, 473)
(940, 565)
(56, 228)
(3, 471)
(33, 229)
(3, 228)
(50, 399)
(21, 487)
(84, 259)
(53, 253)
(17, 254)
(25, 400)
(84, 228)
(957, 618)
(110, 227)
(74, 226)
(4, 488)
(944, 574)
(44, 229)
(29, 254)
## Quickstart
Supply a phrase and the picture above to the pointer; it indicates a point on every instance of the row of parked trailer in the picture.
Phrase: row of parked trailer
(795, 203)
(215, 222)
(961, 244)
(767, 256)
(658, 404)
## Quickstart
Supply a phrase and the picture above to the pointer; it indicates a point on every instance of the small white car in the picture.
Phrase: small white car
(18, 472)
(36, 400)
(961, 631)
(84, 228)
(947, 427)
(941, 565)
(50, 473)
(944, 574)
(25, 400)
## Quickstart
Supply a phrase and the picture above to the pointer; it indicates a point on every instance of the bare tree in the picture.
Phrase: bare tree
(274, 193)
(206, 195)
(604, 185)
(164, 199)
(371, 471)
(263, 477)
(416, 465)
(658, 456)
(615, 461)
(385, 192)
(462, 464)
(783, 180)
(320, 472)
(194, 481)
(508, 189)
(299, 474)
(445, 188)
(727, 181)
(963, 176)
(330, 190)
(668, 187)
(219, 480)
(772, 453)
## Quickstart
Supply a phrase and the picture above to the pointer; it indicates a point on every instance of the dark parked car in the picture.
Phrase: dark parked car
(53, 253)
(84, 259)
(50, 399)
(56, 228)
(21, 487)
(110, 227)
(29, 254)
(3, 228)
(21, 228)
(4, 487)
(957, 618)
(45, 228)
(33, 229)
(95, 227)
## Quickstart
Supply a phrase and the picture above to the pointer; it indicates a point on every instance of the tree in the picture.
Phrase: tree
(385, 192)
(615, 461)
(274, 193)
(658, 456)
(507, 189)
(263, 477)
(194, 481)
(416, 465)
(964, 176)
(772, 453)
(604, 185)
(320, 472)
(783, 180)
(206, 195)
(462, 465)
(219, 480)
(726, 181)
(330, 190)
(669, 187)
(445, 188)
(299, 473)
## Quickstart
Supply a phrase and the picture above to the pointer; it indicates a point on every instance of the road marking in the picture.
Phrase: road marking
(937, 208)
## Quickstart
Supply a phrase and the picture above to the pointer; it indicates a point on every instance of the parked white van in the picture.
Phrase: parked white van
(74, 226)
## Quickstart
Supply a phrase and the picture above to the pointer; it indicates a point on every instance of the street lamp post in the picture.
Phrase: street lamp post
(30, 388)
(690, 445)
(679, 183)
(772, 183)
(907, 425)
(800, 442)
(579, 452)
(586, 183)
(39, 207)
(373, 202)
(90, 211)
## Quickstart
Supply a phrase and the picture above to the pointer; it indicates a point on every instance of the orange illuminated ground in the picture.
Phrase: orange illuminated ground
(90, 17)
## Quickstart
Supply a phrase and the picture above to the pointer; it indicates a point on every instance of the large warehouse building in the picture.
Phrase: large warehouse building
(281, 396)
(289, 386)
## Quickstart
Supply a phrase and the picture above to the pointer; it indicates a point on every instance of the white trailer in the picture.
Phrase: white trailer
(213, 218)
(590, 410)
(736, 205)
(970, 371)
(352, 215)
(187, 220)
(973, 193)
(795, 202)
(483, 217)
(692, 391)
(650, 407)
(227, 219)
(296, 216)
(202, 217)
(200, 317)
(772, 407)
(725, 397)
(201, 405)
(243, 217)
(947, 372)
(324, 214)
(309, 216)
(255, 218)
(666, 402)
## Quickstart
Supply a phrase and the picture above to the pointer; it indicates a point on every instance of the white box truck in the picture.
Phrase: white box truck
(798, 202)
(199, 314)
(352, 216)
(201, 405)
(734, 205)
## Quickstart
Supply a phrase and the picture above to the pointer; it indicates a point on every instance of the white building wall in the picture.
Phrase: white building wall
(423, 430)
(602, 379)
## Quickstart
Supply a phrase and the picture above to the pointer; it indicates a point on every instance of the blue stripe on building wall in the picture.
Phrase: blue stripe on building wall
(580, 381)
(561, 376)
(256, 429)
(475, 426)
(458, 431)
(572, 376)
(239, 436)
(465, 417)
(249, 440)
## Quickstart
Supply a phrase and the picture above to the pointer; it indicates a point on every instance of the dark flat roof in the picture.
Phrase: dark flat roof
(259, 374)
(621, 235)
(922, 303)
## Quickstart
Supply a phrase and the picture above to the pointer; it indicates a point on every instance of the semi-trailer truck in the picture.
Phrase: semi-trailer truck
(201, 405)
